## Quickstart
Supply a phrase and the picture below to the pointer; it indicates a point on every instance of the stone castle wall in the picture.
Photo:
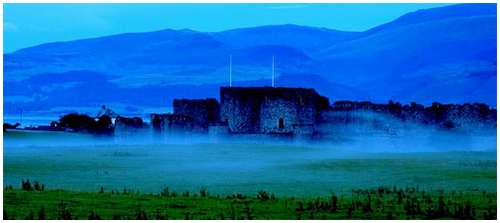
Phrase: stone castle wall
(451, 116)
(127, 128)
(274, 111)
(269, 110)
(240, 110)
(171, 122)
(202, 111)
(303, 112)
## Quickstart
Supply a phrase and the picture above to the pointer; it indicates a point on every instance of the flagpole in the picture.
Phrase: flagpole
(230, 70)
(273, 73)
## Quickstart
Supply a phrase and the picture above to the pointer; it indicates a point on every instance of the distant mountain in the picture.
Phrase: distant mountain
(432, 60)
(303, 38)
(440, 13)
(445, 54)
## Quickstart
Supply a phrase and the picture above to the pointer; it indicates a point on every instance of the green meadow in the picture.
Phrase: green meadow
(376, 203)
(86, 178)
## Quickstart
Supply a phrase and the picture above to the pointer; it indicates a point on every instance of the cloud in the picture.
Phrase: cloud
(10, 27)
(288, 7)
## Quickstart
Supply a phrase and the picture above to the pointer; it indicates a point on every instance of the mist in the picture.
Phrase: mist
(368, 151)
(364, 132)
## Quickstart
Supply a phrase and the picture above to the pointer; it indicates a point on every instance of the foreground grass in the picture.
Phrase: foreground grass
(376, 203)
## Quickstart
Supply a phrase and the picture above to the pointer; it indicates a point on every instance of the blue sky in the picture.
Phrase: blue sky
(32, 24)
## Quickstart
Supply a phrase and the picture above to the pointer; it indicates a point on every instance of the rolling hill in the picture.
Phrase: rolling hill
(445, 54)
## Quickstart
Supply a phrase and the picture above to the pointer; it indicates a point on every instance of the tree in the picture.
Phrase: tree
(263, 195)
(165, 192)
(76, 122)
(104, 125)
(84, 123)
(26, 185)
(204, 192)
(36, 185)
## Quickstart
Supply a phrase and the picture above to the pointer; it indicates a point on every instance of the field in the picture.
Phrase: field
(377, 203)
(73, 168)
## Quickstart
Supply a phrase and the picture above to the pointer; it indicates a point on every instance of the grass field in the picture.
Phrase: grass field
(286, 169)
(376, 203)
(451, 178)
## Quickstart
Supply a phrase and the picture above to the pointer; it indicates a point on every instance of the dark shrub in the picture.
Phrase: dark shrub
(165, 192)
(37, 186)
(85, 123)
(104, 125)
(263, 195)
(76, 122)
(204, 192)
(26, 185)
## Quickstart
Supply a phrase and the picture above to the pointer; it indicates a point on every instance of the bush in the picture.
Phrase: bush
(165, 192)
(204, 192)
(76, 122)
(37, 186)
(263, 195)
(26, 185)
(84, 123)
(104, 125)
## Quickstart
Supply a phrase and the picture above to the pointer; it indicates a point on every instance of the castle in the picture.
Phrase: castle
(297, 112)
(270, 110)
(247, 110)
(303, 112)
